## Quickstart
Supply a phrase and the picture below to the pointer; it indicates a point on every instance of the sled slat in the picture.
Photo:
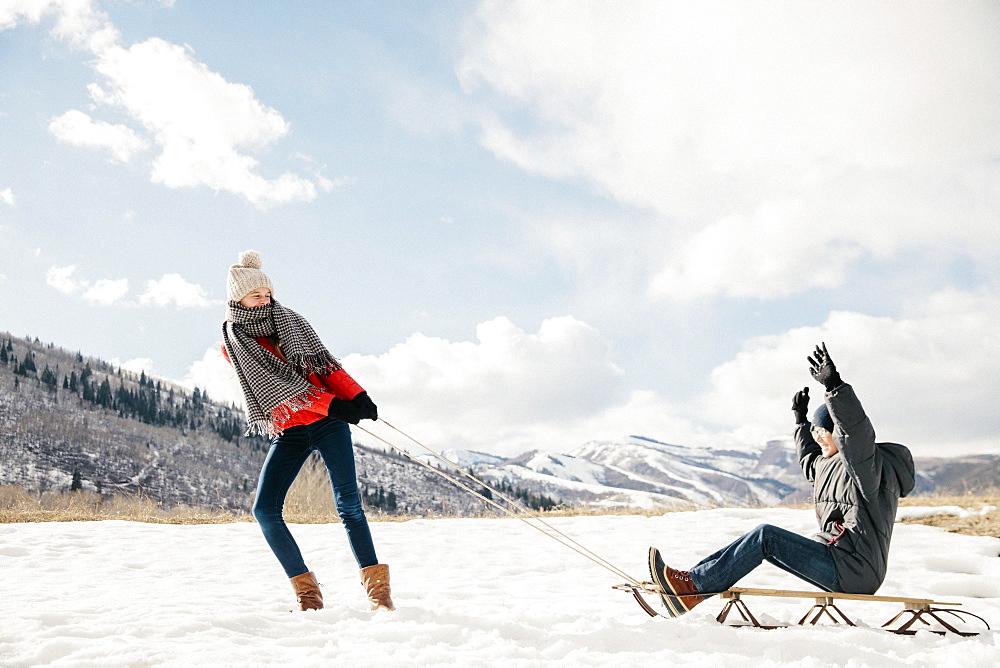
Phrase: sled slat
(914, 609)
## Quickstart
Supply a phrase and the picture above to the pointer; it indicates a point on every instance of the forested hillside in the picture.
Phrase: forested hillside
(73, 422)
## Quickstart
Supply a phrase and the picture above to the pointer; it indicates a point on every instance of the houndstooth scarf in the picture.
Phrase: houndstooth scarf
(273, 388)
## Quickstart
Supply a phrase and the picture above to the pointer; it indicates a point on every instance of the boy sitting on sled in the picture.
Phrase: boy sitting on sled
(856, 488)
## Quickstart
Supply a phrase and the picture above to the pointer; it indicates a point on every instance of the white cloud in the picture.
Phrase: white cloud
(60, 279)
(198, 119)
(79, 129)
(928, 379)
(7, 196)
(138, 366)
(106, 291)
(213, 374)
(77, 21)
(202, 124)
(103, 291)
(170, 289)
(505, 391)
(174, 289)
(508, 391)
(877, 127)
(728, 258)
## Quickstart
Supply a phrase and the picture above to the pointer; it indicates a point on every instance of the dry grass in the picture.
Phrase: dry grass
(987, 524)
(311, 502)
(19, 505)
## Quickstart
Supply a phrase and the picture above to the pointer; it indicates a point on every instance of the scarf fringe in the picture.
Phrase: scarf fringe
(282, 413)
(321, 365)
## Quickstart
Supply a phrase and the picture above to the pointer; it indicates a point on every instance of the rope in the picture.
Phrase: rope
(548, 529)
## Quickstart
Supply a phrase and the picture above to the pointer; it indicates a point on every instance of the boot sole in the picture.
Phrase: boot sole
(675, 605)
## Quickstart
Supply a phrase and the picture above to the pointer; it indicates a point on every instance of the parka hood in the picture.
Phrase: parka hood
(899, 458)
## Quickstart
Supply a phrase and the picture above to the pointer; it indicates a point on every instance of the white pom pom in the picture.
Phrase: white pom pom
(251, 259)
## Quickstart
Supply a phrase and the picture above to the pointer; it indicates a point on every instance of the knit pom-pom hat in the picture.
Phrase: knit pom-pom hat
(822, 418)
(246, 276)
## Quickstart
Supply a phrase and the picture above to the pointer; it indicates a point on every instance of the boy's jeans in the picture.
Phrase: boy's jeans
(800, 556)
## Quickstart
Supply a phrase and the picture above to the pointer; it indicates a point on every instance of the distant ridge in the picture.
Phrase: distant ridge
(638, 471)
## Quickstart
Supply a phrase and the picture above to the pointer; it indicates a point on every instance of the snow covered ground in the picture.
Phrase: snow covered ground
(470, 592)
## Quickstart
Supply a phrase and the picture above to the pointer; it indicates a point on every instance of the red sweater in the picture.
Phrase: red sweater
(336, 385)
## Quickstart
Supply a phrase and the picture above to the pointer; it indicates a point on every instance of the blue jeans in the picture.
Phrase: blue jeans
(800, 556)
(289, 451)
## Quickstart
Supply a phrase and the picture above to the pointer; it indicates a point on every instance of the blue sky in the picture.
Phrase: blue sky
(524, 224)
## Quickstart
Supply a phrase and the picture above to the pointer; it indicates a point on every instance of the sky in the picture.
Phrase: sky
(542, 604)
(524, 225)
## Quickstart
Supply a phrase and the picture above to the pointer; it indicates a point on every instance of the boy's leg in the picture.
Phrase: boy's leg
(806, 558)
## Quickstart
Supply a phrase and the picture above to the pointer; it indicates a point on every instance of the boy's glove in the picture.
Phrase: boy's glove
(823, 369)
(800, 406)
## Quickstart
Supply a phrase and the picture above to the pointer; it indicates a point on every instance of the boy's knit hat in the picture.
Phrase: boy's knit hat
(246, 276)
(822, 418)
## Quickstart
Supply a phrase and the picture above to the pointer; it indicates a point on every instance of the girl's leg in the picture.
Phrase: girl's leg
(288, 452)
(332, 438)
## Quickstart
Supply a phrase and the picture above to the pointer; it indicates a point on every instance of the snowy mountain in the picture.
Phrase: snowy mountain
(636, 471)
(464, 459)
(643, 472)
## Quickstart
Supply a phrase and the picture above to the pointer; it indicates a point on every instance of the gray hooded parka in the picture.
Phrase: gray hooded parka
(856, 491)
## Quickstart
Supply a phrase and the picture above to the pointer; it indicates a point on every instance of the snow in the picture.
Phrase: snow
(469, 592)
(920, 512)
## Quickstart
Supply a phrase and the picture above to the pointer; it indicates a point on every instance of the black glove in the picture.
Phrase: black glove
(367, 410)
(823, 369)
(800, 406)
(347, 411)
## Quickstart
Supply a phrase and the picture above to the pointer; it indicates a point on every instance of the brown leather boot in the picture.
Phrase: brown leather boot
(376, 581)
(307, 591)
(673, 581)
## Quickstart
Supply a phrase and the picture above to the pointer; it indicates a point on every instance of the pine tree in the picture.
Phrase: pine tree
(48, 377)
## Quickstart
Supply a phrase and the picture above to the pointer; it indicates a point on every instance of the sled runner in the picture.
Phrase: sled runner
(914, 609)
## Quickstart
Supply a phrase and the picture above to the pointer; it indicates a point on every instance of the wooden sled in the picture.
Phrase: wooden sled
(914, 609)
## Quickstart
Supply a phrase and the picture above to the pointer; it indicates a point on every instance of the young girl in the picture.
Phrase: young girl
(297, 393)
